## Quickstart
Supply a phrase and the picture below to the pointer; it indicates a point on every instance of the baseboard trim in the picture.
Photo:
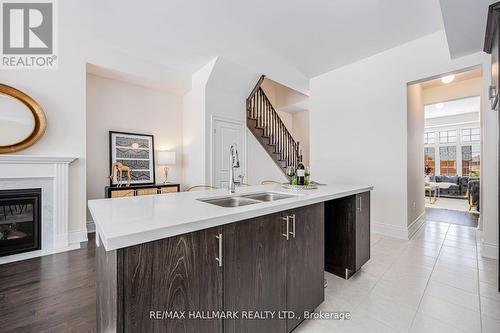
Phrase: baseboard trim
(77, 236)
(416, 225)
(90, 227)
(489, 250)
(389, 230)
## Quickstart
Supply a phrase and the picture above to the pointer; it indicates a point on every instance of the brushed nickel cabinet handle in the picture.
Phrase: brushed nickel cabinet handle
(219, 259)
(287, 234)
(359, 207)
(293, 225)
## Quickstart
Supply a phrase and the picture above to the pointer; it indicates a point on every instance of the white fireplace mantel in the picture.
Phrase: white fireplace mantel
(20, 171)
(34, 159)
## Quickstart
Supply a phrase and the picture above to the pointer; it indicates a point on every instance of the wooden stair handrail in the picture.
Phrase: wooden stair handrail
(278, 119)
(257, 86)
(259, 108)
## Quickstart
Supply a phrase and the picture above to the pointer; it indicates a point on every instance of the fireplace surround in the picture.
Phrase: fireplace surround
(51, 175)
(20, 221)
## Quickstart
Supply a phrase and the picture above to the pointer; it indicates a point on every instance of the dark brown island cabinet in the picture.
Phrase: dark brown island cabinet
(273, 264)
(347, 233)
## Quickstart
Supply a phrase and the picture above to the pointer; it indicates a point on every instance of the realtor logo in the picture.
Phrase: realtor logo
(28, 34)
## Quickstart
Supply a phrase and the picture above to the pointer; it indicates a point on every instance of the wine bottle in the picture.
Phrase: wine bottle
(301, 173)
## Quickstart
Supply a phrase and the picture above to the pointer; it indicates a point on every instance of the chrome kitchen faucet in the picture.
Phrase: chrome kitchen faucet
(234, 162)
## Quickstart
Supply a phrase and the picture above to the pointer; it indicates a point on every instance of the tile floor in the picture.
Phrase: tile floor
(436, 282)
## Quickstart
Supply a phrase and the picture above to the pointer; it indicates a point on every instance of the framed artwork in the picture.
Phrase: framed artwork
(135, 151)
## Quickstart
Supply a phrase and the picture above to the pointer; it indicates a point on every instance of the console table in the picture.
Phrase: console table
(135, 190)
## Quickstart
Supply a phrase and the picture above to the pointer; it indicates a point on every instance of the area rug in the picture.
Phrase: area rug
(451, 216)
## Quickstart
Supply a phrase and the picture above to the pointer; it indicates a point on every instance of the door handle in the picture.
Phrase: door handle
(293, 225)
(287, 234)
(219, 258)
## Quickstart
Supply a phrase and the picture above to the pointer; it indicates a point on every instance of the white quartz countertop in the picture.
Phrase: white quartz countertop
(128, 221)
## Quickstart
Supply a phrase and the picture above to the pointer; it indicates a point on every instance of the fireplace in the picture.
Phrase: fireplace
(20, 221)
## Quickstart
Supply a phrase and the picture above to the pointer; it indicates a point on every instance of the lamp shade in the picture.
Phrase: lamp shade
(166, 157)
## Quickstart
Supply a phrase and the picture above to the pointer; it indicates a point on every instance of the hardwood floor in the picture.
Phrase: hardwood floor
(53, 294)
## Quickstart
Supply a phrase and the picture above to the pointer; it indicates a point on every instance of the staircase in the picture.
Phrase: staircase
(265, 124)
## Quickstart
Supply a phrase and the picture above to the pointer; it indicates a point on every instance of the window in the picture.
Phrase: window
(448, 136)
(471, 134)
(448, 160)
(430, 160)
(430, 138)
(471, 160)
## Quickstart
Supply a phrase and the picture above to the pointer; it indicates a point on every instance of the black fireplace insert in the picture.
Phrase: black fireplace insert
(20, 221)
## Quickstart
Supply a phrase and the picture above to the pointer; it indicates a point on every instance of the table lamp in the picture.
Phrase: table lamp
(166, 158)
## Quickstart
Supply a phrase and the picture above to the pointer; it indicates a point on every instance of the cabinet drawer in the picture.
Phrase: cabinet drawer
(169, 189)
(147, 191)
(122, 193)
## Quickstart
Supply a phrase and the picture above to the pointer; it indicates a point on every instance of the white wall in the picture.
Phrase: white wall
(301, 134)
(261, 166)
(415, 157)
(489, 173)
(193, 128)
(119, 106)
(358, 126)
(287, 119)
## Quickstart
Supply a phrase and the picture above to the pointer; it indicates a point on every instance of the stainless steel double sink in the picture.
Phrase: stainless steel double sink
(247, 199)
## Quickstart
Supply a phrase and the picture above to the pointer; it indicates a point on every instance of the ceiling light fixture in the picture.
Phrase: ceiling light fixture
(448, 78)
(439, 105)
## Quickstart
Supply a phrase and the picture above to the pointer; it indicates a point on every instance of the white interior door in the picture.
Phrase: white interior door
(226, 132)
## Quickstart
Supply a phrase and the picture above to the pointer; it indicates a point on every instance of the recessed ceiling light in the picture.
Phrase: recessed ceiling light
(439, 105)
(448, 78)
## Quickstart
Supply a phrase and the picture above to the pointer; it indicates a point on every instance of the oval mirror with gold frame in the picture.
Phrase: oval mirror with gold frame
(22, 120)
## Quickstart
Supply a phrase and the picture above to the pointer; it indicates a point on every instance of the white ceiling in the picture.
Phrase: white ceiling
(312, 36)
(465, 25)
(451, 108)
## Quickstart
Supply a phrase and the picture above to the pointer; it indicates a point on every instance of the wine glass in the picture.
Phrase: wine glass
(290, 172)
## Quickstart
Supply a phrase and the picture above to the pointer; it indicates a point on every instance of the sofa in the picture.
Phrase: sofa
(451, 186)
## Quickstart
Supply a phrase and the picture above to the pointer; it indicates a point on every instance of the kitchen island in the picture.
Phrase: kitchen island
(207, 261)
